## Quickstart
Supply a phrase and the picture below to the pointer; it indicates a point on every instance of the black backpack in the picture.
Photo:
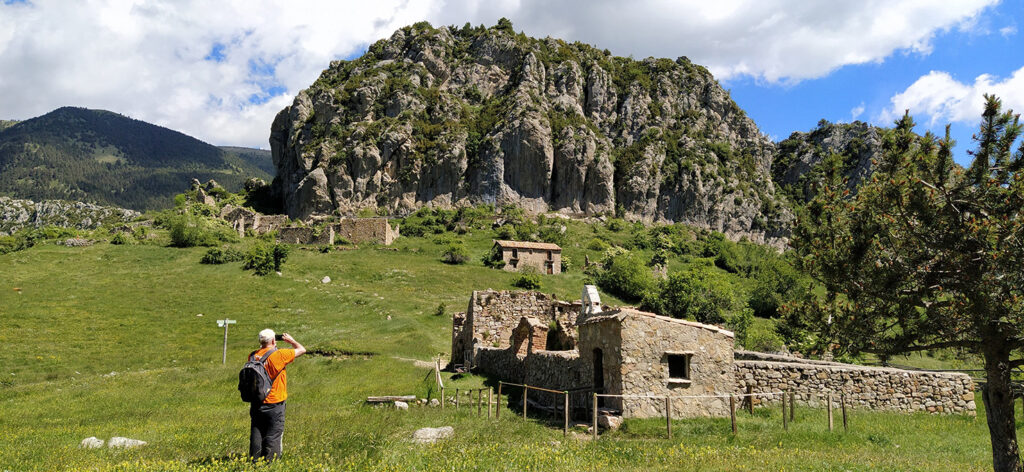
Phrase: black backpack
(254, 381)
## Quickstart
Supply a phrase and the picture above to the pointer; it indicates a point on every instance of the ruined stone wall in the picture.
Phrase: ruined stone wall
(305, 235)
(648, 339)
(267, 223)
(535, 259)
(366, 230)
(492, 315)
(875, 388)
(500, 364)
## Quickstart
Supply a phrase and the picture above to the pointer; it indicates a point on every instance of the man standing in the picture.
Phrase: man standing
(268, 417)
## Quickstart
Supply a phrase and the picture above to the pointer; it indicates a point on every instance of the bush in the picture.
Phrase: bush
(699, 293)
(441, 308)
(527, 281)
(216, 255)
(740, 325)
(264, 259)
(627, 276)
(597, 244)
(764, 341)
(505, 232)
(494, 258)
(554, 234)
(191, 231)
(455, 253)
(120, 238)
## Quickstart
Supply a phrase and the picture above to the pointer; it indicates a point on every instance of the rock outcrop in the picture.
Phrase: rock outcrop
(459, 116)
(17, 214)
(803, 159)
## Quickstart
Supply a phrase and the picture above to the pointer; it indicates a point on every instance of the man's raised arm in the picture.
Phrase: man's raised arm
(299, 349)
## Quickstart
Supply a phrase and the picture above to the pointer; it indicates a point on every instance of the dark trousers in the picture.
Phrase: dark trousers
(266, 431)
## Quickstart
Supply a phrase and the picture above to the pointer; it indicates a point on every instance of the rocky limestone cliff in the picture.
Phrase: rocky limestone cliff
(804, 158)
(456, 116)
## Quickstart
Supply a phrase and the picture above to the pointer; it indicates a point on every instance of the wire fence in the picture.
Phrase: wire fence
(563, 403)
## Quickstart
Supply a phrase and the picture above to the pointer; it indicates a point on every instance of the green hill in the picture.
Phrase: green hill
(260, 158)
(107, 158)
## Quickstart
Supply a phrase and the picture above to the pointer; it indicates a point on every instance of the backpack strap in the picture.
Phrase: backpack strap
(263, 361)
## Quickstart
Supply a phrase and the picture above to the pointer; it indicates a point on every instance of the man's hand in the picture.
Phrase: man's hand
(299, 349)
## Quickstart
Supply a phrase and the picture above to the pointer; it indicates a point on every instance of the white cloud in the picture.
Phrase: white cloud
(1008, 31)
(147, 58)
(939, 98)
(856, 111)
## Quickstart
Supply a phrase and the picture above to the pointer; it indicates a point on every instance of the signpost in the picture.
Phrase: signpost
(224, 324)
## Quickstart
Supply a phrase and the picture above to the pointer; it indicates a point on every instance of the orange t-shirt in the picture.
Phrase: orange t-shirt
(276, 368)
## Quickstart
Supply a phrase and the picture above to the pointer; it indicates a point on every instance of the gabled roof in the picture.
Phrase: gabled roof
(527, 245)
(619, 314)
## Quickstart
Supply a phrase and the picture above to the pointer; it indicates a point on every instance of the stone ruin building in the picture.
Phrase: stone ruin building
(545, 258)
(536, 339)
(354, 230)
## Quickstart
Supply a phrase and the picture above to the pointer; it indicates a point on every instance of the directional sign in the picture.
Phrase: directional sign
(221, 323)
(224, 324)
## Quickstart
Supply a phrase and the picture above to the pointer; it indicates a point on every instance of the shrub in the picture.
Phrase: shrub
(527, 281)
(191, 231)
(597, 244)
(764, 341)
(455, 253)
(121, 238)
(505, 232)
(699, 293)
(615, 224)
(441, 308)
(140, 233)
(494, 258)
(264, 259)
(627, 276)
(554, 234)
(740, 325)
(216, 255)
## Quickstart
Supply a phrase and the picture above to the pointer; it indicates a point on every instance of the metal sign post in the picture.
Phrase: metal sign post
(224, 324)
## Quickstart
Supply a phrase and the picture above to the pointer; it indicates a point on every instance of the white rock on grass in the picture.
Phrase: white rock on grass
(432, 435)
(91, 442)
(118, 441)
(435, 402)
(609, 422)
(401, 405)
(325, 280)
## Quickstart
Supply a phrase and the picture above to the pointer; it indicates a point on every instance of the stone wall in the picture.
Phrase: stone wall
(556, 370)
(267, 223)
(366, 230)
(534, 259)
(492, 315)
(305, 235)
(876, 388)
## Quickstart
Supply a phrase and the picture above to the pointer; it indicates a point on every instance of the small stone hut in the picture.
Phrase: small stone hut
(366, 230)
(545, 258)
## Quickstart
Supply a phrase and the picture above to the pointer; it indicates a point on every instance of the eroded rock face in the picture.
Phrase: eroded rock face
(458, 116)
(804, 158)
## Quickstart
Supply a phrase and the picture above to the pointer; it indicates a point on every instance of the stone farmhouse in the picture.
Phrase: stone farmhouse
(533, 338)
(545, 258)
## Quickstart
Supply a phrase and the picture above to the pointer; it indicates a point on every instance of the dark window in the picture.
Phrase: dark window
(549, 255)
(515, 253)
(679, 366)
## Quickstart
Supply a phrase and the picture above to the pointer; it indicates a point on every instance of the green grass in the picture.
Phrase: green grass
(85, 313)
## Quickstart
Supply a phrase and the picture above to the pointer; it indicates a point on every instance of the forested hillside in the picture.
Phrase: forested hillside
(103, 157)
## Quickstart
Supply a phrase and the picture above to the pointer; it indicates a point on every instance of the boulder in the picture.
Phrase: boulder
(91, 442)
(435, 402)
(432, 435)
(401, 406)
(119, 442)
(325, 280)
(609, 422)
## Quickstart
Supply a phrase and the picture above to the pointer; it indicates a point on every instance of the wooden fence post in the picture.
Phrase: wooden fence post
(479, 402)
(785, 422)
(732, 412)
(842, 403)
(456, 399)
(595, 415)
(792, 406)
(565, 430)
(525, 391)
(490, 400)
(668, 416)
(497, 405)
(750, 399)
(442, 398)
(829, 402)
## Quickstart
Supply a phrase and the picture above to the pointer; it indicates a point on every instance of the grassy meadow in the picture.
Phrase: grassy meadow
(107, 341)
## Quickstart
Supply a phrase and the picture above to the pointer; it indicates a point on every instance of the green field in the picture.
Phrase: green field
(106, 341)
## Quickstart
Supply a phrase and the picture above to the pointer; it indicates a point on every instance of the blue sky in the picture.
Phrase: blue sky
(222, 71)
(780, 109)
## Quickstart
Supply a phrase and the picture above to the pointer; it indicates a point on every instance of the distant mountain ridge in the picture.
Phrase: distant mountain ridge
(104, 157)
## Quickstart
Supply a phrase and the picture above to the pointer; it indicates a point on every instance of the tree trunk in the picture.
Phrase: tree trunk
(998, 397)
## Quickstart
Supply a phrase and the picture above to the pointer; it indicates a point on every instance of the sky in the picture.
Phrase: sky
(221, 70)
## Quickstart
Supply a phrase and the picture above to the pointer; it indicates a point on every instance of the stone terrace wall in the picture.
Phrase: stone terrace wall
(875, 388)
(305, 235)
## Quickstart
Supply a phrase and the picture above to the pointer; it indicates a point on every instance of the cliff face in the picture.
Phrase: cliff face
(452, 116)
(803, 159)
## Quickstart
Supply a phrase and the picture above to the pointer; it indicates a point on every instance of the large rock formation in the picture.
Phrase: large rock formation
(18, 214)
(803, 159)
(451, 116)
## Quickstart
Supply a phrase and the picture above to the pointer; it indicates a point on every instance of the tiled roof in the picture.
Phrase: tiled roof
(528, 245)
(620, 313)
